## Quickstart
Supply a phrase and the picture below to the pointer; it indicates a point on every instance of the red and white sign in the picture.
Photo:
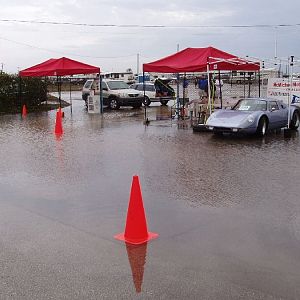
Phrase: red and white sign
(280, 88)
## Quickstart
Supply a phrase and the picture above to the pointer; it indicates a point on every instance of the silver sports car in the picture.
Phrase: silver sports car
(254, 116)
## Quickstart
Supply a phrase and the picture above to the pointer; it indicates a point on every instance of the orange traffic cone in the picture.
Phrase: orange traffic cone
(137, 260)
(136, 231)
(58, 124)
(24, 111)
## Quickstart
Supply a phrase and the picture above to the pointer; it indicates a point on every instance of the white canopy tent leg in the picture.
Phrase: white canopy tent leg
(208, 84)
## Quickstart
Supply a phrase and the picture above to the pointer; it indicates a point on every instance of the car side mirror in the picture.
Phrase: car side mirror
(273, 109)
(104, 89)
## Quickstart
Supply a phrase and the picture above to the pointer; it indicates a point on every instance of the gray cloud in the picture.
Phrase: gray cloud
(96, 45)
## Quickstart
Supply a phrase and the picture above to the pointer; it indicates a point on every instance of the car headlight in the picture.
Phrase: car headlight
(250, 119)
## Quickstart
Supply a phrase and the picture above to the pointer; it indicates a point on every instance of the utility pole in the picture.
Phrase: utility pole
(275, 44)
(138, 64)
(2, 64)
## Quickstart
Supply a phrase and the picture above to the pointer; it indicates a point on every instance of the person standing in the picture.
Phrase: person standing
(196, 82)
(203, 87)
(185, 87)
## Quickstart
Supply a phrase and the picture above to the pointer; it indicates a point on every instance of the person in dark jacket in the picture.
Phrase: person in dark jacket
(203, 86)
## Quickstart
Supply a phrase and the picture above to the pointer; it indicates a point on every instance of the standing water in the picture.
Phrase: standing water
(226, 209)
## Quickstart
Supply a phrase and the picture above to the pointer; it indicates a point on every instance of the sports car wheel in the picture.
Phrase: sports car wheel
(114, 104)
(295, 121)
(146, 101)
(262, 127)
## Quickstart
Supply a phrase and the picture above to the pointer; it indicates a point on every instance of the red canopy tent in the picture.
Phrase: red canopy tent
(59, 67)
(198, 60)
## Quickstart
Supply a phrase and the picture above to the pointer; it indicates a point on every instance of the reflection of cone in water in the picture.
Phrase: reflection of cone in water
(136, 231)
(58, 124)
(24, 111)
(137, 259)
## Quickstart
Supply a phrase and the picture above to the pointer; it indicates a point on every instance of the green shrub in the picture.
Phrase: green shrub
(16, 91)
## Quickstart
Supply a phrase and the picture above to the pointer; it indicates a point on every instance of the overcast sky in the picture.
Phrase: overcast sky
(115, 48)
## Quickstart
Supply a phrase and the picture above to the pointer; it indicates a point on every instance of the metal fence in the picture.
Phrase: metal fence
(229, 88)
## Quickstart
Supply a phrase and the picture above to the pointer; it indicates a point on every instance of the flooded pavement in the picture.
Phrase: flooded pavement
(226, 209)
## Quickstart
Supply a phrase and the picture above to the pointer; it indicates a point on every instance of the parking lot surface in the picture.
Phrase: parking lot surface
(226, 209)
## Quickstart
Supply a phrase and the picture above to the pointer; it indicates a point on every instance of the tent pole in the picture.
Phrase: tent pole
(60, 86)
(46, 83)
(259, 83)
(183, 96)
(249, 91)
(20, 91)
(290, 90)
(177, 98)
(71, 93)
(220, 88)
(208, 83)
(144, 92)
(59, 89)
(244, 84)
(101, 93)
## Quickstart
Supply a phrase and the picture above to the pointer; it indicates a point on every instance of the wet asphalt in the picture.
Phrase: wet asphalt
(227, 210)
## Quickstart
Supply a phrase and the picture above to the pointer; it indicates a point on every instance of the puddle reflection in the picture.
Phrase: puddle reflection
(60, 153)
(137, 260)
(163, 113)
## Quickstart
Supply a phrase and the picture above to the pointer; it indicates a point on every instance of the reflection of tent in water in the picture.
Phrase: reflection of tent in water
(162, 88)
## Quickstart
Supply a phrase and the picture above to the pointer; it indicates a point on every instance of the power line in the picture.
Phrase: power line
(266, 60)
(64, 53)
(147, 26)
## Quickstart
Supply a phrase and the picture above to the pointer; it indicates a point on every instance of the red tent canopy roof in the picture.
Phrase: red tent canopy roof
(196, 59)
(59, 67)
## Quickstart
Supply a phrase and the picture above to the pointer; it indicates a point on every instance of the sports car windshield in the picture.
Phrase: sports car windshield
(251, 105)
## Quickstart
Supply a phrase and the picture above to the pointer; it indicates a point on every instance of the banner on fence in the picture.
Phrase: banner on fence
(280, 88)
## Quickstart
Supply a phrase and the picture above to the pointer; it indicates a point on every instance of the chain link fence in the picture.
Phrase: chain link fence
(228, 89)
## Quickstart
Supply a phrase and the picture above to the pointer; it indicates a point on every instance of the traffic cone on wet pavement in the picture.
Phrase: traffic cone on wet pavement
(58, 124)
(136, 231)
(61, 112)
(24, 111)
